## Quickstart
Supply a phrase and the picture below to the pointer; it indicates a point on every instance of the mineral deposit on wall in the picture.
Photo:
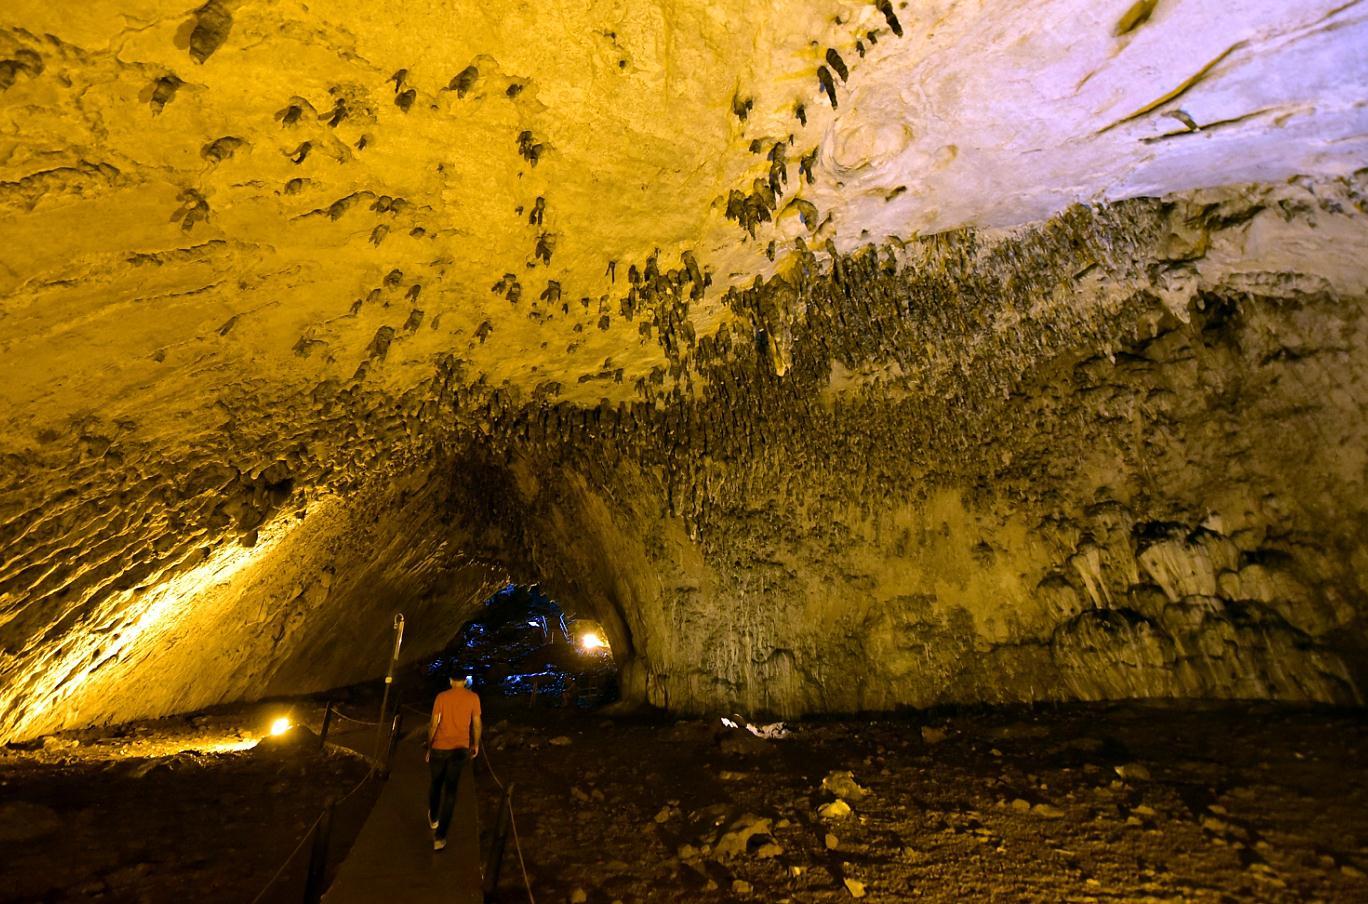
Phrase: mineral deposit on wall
(836, 355)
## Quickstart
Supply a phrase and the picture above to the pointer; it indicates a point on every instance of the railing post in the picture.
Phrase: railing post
(395, 729)
(497, 842)
(327, 723)
(389, 682)
(318, 855)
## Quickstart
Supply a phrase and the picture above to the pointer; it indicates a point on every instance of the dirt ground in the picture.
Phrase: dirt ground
(1074, 803)
(175, 810)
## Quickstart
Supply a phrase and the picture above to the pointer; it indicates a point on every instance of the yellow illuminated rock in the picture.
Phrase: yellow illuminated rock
(832, 356)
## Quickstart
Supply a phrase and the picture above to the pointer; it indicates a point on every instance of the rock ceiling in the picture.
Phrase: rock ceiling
(282, 191)
(249, 249)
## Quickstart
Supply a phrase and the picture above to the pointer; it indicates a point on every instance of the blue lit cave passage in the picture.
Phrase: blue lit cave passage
(523, 648)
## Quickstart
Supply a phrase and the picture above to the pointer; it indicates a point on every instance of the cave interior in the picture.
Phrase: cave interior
(935, 394)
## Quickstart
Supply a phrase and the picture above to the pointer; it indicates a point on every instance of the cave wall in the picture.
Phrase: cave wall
(305, 605)
(1118, 453)
(1171, 508)
(836, 355)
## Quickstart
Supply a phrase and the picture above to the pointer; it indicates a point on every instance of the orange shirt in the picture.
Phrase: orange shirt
(458, 708)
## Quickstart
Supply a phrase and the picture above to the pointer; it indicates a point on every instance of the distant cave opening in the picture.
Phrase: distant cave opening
(524, 648)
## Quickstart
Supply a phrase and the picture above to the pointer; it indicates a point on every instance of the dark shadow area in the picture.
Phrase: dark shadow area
(523, 648)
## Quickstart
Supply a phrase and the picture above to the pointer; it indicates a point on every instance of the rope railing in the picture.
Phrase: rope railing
(341, 715)
(318, 832)
(497, 841)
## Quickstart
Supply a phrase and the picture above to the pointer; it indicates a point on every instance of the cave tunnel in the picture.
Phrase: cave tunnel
(888, 449)
(524, 647)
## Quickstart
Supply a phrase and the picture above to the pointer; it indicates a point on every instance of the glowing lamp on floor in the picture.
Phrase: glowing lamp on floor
(280, 726)
(592, 642)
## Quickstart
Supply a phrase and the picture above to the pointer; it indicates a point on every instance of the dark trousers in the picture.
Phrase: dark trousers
(445, 767)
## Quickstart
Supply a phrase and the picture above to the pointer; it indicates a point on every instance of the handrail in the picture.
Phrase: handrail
(320, 832)
(491, 875)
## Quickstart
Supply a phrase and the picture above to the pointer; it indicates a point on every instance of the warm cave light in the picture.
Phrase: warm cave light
(591, 641)
(280, 726)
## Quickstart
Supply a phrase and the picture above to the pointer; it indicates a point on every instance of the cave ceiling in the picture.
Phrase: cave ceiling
(254, 197)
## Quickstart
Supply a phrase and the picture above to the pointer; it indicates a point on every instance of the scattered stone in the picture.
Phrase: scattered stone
(1212, 824)
(579, 896)
(736, 840)
(855, 887)
(1047, 811)
(933, 735)
(1133, 772)
(831, 841)
(54, 743)
(843, 784)
(561, 741)
(837, 809)
(741, 887)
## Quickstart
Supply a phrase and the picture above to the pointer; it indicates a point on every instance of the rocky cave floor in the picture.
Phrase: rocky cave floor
(174, 810)
(1070, 803)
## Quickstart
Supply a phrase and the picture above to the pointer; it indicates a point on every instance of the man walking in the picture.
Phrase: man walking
(453, 736)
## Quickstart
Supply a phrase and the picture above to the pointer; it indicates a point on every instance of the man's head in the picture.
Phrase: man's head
(459, 679)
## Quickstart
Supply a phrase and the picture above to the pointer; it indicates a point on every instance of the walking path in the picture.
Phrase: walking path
(393, 859)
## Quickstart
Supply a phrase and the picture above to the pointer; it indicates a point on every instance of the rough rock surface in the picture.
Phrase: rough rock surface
(835, 357)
